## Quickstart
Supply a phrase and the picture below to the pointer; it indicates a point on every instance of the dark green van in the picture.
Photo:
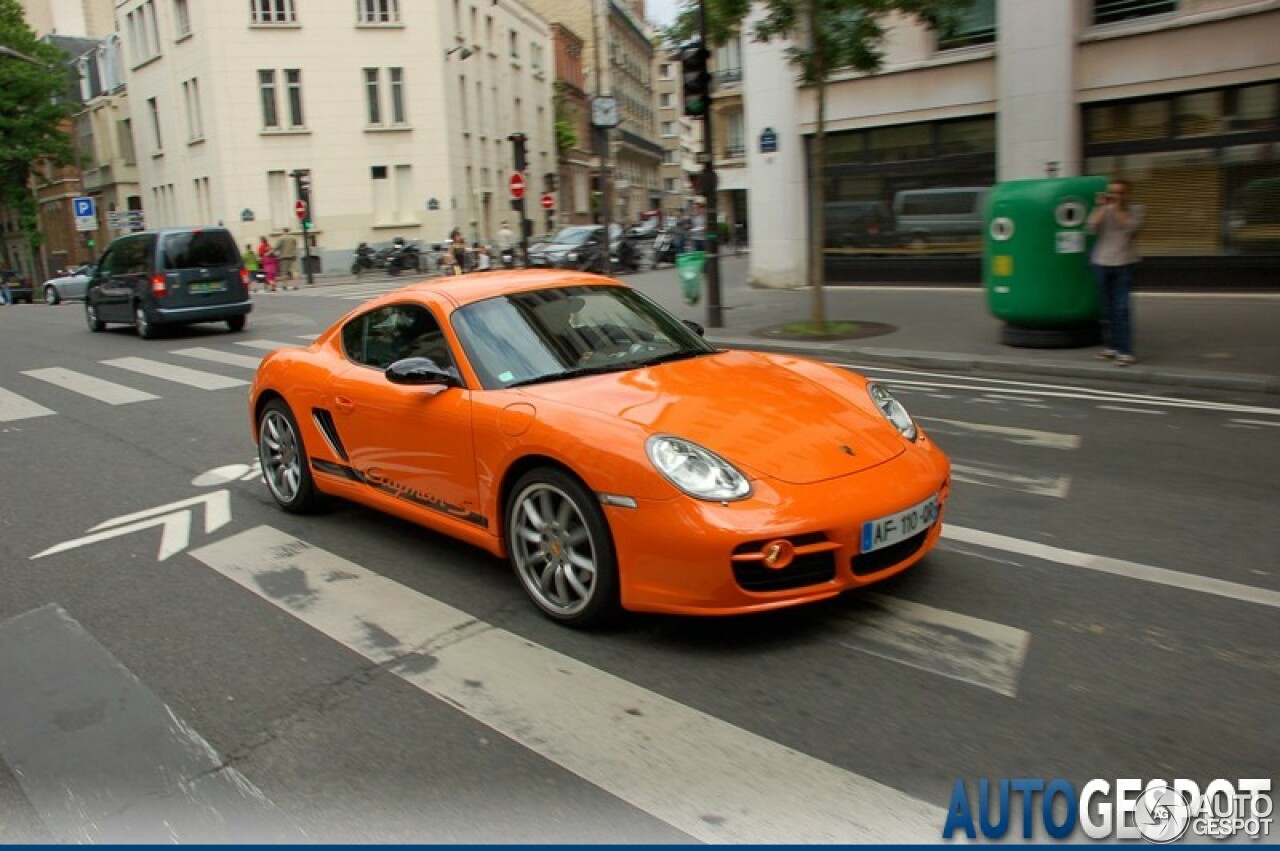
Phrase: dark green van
(174, 276)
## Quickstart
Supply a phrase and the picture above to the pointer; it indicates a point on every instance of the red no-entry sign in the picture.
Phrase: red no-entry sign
(548, 202)
(300, 207)
(517, 186)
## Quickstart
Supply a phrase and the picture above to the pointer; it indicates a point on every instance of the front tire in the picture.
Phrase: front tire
(285, 464)
(91, 318)
(51, 295)
(561, 549)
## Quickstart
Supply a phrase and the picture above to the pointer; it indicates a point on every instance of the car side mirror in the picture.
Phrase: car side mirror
(695, 327)
(419, 371)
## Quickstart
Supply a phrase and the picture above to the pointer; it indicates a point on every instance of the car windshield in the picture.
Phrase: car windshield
(573, 236)
(567, 332)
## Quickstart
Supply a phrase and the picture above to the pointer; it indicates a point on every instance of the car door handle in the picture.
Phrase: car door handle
(344, 405)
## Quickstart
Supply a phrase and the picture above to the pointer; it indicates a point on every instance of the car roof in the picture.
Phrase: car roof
(459, 290)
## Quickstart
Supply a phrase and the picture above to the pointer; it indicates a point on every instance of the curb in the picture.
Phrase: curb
(1247, 382)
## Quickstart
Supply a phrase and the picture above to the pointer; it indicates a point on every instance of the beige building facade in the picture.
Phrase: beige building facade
(397, 112)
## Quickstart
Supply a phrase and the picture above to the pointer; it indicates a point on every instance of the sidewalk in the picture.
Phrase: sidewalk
(1207, 340)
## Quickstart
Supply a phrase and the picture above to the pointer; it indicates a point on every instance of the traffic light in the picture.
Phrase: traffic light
(696, 79)
(302, 189)
(549, 182)
(517, 145)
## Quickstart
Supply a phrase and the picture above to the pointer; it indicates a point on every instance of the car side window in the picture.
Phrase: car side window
(381, 337)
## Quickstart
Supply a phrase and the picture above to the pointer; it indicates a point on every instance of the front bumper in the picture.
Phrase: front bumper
(685, 556)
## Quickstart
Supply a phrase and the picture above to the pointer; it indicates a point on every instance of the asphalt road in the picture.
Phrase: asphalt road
(1103, 605)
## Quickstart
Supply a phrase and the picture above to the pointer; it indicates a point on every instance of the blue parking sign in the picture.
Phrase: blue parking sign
(83, 208)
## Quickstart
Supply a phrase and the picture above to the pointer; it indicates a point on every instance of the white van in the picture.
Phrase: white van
(942, 215)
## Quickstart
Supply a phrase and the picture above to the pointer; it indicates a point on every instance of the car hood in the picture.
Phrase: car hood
(790, 419)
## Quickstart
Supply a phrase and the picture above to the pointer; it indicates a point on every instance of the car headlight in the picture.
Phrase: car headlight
(572, 257)
(697, 471)
(893, 411)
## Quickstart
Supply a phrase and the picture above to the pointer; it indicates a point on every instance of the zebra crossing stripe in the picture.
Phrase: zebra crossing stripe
(264, 345)
(180, 374)
(88, 385)
(216, 356)
(1021, 436)
(15, 407)
(700, 774)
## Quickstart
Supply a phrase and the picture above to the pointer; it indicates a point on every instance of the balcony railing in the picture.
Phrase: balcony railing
(728, 75)
(735, 151)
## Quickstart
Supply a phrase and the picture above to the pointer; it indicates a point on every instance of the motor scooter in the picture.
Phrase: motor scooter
(507, 258)
(365, 258)
(665, 247)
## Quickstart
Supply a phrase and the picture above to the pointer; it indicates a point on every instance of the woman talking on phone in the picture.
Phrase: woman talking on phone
(1115, 259)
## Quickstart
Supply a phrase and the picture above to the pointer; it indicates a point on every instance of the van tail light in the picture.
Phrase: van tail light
(244, 277)
(158, 285)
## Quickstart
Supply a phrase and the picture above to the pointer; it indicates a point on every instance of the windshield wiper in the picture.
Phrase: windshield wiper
(680, 354)
(575, 372)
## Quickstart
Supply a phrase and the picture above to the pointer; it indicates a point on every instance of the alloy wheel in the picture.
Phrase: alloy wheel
(553, 550)
(281, 459)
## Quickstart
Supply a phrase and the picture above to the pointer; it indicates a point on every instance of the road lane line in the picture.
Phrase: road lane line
(1023, 436)
(15, 407)
(1124, 410)
(1115, 566)
(995, 477)
(180, 374)
(104, 760)
(960, 647)
(216, 356)
(703, 776)
(1272, 423)
(87, 385)
(265, 345)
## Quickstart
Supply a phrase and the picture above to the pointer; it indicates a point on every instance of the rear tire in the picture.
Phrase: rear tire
(236, 324)
(95, 324)
(142, 322)
(286, 467)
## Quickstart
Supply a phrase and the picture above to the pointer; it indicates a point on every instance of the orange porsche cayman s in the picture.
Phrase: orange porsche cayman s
(568, 423)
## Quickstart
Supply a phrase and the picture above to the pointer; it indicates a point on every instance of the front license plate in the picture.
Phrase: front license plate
(878, 534)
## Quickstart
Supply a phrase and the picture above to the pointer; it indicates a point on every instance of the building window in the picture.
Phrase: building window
(125, 136)
(669, 129)
(734, 146)
(267, 87)
(672, 184)
(378, 11)
(182, 17)
(515, 45)
(273, 11)
(144, 36)
(154, 110)
(293, 82)
(664, 71)
(195, 124)
(1202, 163)
(670, 157)
(373, 97)
(397, 95)
(974, 25)
(667, 100)
(1111, 11)
(728, 61)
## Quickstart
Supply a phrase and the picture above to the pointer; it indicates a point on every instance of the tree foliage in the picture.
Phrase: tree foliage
(825, 36)
(34, 113)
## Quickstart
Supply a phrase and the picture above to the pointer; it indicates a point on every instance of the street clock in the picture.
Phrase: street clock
(604, 112)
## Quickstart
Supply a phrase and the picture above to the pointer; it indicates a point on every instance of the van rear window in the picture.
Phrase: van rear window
(199, 248)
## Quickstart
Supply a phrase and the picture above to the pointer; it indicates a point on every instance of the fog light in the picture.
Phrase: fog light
(778, 554)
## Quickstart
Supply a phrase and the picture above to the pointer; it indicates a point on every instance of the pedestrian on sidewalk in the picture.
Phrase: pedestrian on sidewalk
(287, 251)
(252, 266)
(1116, 222)
(270, 263)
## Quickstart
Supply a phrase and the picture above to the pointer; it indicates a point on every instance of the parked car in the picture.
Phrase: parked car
(174, 276)
(948, 214)
(579, 247)
(70, 286)
(569, 423)
(860, 225)
(19, 288)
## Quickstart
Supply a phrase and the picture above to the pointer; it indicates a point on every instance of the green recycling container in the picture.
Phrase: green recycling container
(690, 266)
(1035, 261)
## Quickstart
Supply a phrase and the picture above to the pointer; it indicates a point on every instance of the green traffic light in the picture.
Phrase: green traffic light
(91, 243)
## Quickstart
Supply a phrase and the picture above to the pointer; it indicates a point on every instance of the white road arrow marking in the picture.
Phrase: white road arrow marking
(174, 520)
